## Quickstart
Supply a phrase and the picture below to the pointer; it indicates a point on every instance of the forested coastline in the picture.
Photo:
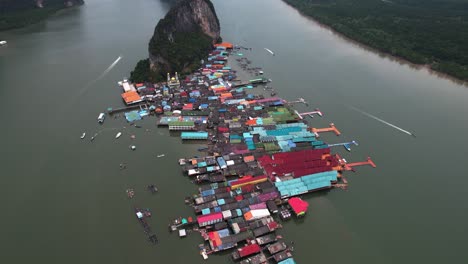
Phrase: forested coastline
(20, 13)
(425, 32)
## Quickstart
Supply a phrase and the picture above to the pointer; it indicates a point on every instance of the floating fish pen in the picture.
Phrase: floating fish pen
(257, 259)
(285, 214)
(209, 178)
(267, 239)
(283, 256)
(276, 247)
(141, 215)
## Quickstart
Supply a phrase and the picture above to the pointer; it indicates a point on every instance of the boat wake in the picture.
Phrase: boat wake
(382, 121)
(269, 50)
(101, 76)
(109, 68)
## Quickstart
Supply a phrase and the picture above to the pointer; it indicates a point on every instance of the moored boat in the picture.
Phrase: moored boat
(83, 135)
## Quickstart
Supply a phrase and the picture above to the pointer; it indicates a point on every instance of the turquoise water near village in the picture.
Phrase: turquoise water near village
(63, 198)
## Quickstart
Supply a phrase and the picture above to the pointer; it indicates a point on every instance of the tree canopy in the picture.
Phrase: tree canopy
(430, 32)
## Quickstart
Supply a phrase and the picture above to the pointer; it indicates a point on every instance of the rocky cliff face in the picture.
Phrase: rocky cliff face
(183, 37)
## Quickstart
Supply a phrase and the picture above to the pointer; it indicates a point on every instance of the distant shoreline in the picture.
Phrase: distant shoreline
(30, 17)
(399, 59)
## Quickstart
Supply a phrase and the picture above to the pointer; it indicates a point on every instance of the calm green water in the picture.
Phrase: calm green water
(64, 198)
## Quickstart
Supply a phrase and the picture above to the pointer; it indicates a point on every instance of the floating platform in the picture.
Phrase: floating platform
(282, 256)
(276, 247)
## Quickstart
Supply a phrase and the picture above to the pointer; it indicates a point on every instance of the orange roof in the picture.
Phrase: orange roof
(227, 45)
(249, 158)
(248, 215)
(224, 95)
(251, 122)
(131, 97)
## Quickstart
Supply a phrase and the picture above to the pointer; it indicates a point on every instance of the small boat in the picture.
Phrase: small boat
(3, 43)
(93, 137)
(101, 118)
(204, 255)
(118, 135)
(152, 188)
(161, 155)
(132, 147)
(83, 135)
(347, 147)
(202, 148)
(137, 126)
(130, 193)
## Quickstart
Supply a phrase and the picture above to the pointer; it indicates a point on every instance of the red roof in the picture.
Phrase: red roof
(223, 129)
(188, 107)
(298, 163)
(272, 225)
(249, 250)
(298, 205)
(209, 217)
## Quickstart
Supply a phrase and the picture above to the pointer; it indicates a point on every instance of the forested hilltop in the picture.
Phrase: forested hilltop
(20, 13)
(429, 32)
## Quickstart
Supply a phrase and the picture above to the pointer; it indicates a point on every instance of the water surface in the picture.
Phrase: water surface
(64, 198)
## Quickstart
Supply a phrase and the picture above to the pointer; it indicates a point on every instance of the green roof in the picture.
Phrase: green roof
(181, 123)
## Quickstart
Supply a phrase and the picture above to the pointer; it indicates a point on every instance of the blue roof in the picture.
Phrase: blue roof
(194, 135)
(287, 261)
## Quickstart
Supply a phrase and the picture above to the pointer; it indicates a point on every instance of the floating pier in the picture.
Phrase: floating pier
(299, 100)
(143, 106)
(332, 128)
(350, 166)
(309, 114)
(346, 145)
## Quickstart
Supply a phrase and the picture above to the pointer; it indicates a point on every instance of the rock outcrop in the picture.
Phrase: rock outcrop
(183, 37)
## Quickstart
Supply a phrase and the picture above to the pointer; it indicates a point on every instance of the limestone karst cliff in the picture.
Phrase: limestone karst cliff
(181, 39)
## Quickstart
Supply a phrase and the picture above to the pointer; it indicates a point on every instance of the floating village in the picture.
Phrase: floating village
(260, 156)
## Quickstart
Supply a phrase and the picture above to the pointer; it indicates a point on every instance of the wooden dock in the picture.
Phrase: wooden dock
(143, 106)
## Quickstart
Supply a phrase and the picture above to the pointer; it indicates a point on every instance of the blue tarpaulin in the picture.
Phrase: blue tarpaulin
(132, 116)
